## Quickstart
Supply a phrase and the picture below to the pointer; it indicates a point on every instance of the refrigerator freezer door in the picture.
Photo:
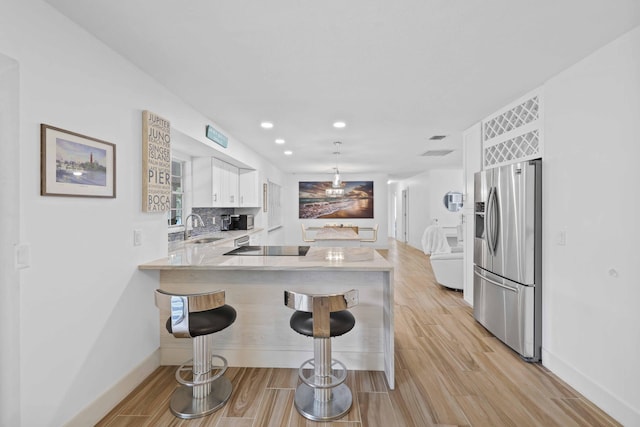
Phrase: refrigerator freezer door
(481, 255)
(513, 229)
(507, 310)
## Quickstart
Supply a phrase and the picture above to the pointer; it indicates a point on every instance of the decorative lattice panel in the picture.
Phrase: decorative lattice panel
(515, 133)
(514, 118)
(526, 146)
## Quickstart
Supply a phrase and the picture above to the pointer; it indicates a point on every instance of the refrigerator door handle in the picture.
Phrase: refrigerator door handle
(491, 221)
(487, 222)
(495, 220)
(493, 282)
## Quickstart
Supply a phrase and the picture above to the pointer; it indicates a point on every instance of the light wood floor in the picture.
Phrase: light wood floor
(449, 372)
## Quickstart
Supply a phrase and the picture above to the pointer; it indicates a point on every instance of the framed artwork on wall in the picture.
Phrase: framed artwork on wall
(318, 199)
(76, 165)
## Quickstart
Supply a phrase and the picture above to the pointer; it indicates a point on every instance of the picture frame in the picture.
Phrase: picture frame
(319, 199)
(76, 165)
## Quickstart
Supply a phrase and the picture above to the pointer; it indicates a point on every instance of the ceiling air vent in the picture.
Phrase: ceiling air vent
(436, 153)
(437, 137)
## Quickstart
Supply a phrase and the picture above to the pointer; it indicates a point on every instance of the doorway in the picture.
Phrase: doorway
(405, 216)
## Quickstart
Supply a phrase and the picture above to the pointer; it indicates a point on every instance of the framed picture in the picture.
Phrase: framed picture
(318, 199)
(76, 165)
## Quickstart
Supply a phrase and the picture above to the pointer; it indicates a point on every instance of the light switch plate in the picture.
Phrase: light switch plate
(137, 237)
(22, 256)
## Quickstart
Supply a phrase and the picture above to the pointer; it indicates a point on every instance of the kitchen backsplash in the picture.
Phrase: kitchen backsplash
(207, 215)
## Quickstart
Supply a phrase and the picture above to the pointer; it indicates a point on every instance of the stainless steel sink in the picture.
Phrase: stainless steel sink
(205, 240)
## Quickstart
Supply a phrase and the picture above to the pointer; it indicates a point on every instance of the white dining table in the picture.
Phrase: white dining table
(337, 236)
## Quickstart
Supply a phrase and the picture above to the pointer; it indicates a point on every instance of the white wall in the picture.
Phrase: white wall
(425, 193)
(290, 191)
(472, 163)
(9, 237)
(591, 320)
(87, 317)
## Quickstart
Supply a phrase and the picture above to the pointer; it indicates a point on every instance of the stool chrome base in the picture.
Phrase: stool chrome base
(336, 407)
(184, 405)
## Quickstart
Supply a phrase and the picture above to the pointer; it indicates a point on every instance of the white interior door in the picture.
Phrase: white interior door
(395, 216)
(405, 216)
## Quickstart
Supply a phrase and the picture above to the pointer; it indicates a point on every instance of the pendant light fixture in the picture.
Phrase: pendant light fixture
(336, 189)
(337, 183)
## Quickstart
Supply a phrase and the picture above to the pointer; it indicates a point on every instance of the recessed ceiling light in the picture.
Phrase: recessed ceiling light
(279, 141)
(266, 125)
(288, 153)
(339, 125)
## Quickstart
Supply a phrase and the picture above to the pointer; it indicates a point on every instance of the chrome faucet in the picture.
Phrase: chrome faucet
(187, 233)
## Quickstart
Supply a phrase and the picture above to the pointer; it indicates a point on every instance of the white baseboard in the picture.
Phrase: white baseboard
(372, 361)
(604, 399)
(109, 399)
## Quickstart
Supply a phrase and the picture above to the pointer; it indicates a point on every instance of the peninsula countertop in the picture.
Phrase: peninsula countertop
(199, 256)
(254, 286)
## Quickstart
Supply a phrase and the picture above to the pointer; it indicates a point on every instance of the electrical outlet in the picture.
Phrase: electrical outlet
(213, 220)
(137, 237)
(561, 239)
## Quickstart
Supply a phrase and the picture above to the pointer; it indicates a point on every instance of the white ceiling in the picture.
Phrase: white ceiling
(397, 72)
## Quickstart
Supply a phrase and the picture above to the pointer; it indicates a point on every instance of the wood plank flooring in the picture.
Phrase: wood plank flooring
(449, 372)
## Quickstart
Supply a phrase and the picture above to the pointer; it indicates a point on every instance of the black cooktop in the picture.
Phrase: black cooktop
(269, 250)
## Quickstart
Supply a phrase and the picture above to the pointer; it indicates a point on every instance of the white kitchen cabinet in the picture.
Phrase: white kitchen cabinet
(228, 183)
(215, 183)
(256, 239)
(249, 188)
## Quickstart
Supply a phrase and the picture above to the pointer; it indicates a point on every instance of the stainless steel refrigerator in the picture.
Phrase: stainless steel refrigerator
(507, 255)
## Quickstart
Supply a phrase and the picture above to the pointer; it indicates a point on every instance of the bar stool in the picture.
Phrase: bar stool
(203, 389)
(322, 396)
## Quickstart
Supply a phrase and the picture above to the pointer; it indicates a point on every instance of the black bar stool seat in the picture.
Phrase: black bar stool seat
(208, 322)
(340, 322)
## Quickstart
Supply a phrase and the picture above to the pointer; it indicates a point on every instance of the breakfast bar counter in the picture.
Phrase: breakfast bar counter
(254, 283)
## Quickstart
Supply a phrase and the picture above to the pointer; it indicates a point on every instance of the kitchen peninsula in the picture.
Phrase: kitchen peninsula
(255, 285)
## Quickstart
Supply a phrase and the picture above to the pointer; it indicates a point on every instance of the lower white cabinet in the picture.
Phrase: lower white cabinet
(257, 239)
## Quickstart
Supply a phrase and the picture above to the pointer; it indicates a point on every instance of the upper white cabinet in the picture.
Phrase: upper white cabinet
(217, 183)
(227, 190)
(249, 188)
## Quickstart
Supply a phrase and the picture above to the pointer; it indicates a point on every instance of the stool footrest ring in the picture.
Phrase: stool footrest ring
(197, 379)
(315, 381)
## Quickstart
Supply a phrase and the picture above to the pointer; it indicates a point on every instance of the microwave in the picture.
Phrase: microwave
(241, 222)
